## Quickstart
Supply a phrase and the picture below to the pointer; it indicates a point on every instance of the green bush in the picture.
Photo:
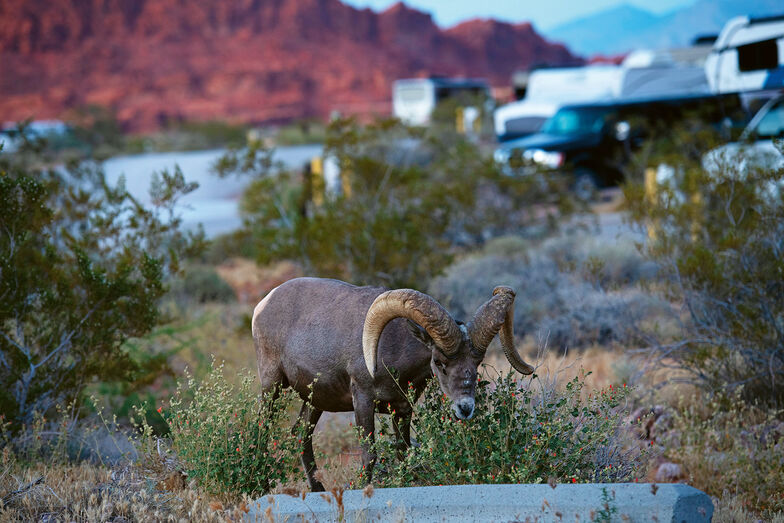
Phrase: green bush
(407, 199)
(717, 233)
(515, 436)
(202, 284)
(83, 266)
(230, 440)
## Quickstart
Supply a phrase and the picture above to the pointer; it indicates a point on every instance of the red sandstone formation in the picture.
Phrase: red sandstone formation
(154, 61)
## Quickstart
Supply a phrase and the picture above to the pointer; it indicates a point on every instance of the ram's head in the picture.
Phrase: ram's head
(457, 349)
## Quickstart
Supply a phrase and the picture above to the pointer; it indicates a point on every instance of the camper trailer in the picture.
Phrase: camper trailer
(413, 100)
(748, 56)
(643, 74)
(547, 90)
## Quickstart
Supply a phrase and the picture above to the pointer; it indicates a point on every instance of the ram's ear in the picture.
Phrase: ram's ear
(420, 334)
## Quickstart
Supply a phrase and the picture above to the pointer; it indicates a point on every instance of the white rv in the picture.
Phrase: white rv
(413, 100)
(642, 75)
(748, 55)
(548, 90)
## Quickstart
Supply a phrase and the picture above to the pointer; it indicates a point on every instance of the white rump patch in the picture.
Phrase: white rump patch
(261, 305)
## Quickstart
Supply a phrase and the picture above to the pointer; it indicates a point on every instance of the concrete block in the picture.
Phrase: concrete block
(622, 502)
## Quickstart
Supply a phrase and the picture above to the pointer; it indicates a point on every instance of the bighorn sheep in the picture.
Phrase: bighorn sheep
(310, 328)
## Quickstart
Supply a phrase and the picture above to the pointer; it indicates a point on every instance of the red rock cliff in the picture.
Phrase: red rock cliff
(249, 60)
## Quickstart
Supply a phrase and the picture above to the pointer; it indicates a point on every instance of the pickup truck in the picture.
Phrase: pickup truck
(756, 147)
(594, 142)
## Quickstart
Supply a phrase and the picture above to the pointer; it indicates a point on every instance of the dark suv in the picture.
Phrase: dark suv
(595, 141)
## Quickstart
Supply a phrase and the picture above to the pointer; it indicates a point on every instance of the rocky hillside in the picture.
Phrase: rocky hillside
(156, 61)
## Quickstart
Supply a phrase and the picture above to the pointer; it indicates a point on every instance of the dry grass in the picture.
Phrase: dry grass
(729, 509)
(87, 492)
(607, 366)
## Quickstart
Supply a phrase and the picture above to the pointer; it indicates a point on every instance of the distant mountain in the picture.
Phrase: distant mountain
(600, 33)
(625, 28)
(157, 61)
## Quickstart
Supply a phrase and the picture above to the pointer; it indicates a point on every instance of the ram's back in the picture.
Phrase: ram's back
(309, 327)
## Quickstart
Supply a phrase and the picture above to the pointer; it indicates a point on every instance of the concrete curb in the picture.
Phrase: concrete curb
(622, 502)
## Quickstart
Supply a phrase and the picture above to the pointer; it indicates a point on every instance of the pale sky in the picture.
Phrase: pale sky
(544, 14)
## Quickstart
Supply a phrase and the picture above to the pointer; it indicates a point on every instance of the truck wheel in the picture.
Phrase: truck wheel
(586, 185)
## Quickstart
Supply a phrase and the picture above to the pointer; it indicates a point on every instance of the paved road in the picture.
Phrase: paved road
(215, 203)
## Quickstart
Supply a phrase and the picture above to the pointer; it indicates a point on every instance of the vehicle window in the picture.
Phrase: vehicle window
(525, 124)
(772, 124)
(758, 55)
(576, 121)
(411, 94)
(466, 93)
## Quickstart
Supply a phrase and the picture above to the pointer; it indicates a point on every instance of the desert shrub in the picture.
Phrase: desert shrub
(717, 232)
(230, 440)
(730, 509)
(569, 290)
(96, 131)
(731, 450)
(201, 284)
(517, 435)
(444, 117)
(405, 199)
(82, 267)
(301, 132)
(213, 133)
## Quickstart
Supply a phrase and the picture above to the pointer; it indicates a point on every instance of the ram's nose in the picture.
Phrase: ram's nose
(464, 408)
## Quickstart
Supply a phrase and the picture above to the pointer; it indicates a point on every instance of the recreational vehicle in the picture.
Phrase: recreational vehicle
(643, 74)
(594, 141)
(413, 100)
(748, 55)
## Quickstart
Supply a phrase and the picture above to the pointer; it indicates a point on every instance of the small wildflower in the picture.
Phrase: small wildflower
(160, 409)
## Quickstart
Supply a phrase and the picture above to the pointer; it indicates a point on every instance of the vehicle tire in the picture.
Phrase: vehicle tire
(586, 185)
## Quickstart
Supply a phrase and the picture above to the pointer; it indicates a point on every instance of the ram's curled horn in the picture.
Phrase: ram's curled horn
(415, 306)
(497, 314)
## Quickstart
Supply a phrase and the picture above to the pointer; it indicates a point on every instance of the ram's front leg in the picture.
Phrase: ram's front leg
(364, 411)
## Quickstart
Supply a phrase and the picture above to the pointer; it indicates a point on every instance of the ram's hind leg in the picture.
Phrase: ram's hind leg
(310, 415)
(401, 423)
(364, 411)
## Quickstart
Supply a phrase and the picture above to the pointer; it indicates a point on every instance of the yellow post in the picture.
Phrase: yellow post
(460, 121)
(650, 196)
(345, 182)
(696, 199)
(317, 172)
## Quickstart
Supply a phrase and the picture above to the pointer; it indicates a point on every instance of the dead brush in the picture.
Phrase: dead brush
(91, 492)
